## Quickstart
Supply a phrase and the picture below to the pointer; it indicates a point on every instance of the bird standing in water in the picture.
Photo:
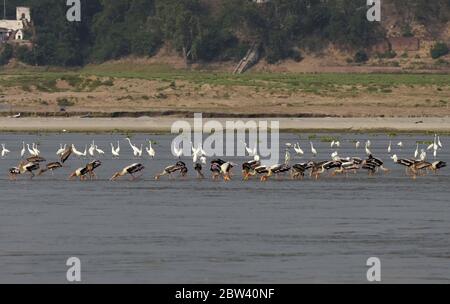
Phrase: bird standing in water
(50, 167)
(130, 170)
(178, 167)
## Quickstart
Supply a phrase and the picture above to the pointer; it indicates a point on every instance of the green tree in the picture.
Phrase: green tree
(6, 54)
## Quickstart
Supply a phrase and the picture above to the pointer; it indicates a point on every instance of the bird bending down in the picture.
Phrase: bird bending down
(36, 159)
(178, 167)
(66, 154)
(50, 167)
(130, 170)
(80, 172)
(438, 165)
(91, 168)
(298, 170)
(275, 170)
(87, 170)
(216, 168)
(420, 168)
(198, 168)
(372, 165)
(23, 168)
(13, 172)
(407, 163)
(249, 167)
(225, 170)
(350, 165)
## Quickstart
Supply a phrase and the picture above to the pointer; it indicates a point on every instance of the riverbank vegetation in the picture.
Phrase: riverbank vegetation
(213, 30)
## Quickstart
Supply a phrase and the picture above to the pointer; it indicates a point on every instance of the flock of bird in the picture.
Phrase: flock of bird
(33, 163)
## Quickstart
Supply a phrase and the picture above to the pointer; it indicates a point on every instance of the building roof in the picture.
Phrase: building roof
(11, 24)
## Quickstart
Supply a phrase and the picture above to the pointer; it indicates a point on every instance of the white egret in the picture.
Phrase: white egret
(78, 153)
(22, 152)
(298, 150)
(423, 155)
(118, 147)
(92, 149)
(177, 151)
(61, 149)
(313, 150)
(135, 149)
(31, 151)
(150, 151)
(368, 152)
(5, 151)
(335, 155)
(35, 149)
(287, 157)
(114, 152)
(250, 151)
(99, 151)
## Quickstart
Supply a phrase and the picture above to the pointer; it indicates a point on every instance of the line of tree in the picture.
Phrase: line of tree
(202, 30)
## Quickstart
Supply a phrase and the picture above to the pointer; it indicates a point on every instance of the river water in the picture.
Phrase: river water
(190, 231)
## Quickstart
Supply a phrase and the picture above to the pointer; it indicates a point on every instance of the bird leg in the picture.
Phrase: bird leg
(385, 170)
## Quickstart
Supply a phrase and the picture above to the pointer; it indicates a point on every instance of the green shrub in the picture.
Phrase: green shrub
(361, 57)
(407, 31)
(25, 55)
(442, 63)
(64, 102)
(439, 49)
(6, 54)
(387, 55)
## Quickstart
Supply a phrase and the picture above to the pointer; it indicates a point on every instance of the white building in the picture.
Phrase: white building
(23, 13)
(14, 29)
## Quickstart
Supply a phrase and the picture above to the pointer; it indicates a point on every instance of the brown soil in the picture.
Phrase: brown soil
(153, 96)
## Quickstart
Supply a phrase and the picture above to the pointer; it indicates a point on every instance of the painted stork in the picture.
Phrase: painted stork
(50, 167)
(178, 167)
(198, 168)
(131, 170)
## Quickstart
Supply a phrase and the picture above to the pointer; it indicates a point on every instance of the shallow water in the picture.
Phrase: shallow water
(189, 231)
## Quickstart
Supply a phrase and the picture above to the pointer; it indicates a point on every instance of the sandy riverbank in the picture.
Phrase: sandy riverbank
(164, 124)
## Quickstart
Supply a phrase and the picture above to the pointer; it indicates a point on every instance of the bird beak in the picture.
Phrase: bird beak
(115, 176)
